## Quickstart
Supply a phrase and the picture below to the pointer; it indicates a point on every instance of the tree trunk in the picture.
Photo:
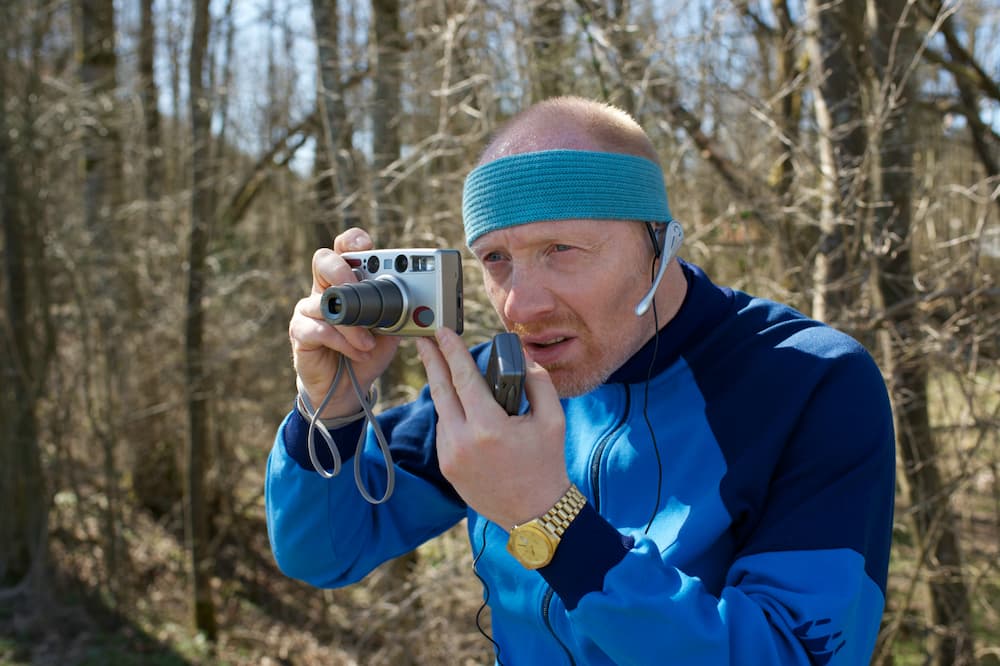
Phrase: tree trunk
(155, 470)
(934, 521)
(793, 241)
(149, 95)
(108, 284)
(385, 116)
(387, 218)
(835, 33)
(23, 520)
(334, 182)
(196, 514)
(387, 229)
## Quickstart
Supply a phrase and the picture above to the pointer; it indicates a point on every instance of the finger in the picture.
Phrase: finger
(328, 269)
(353, 240)
(308, 334)
(446, 401)
(465, 376)
(538, 386)
(356, 336)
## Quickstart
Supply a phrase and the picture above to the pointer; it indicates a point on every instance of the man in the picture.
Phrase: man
(707, 482)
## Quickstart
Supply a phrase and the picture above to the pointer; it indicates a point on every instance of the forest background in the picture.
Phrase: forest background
(168, 167)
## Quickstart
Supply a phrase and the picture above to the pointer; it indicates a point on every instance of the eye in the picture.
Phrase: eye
(491, 257)
(564, 251)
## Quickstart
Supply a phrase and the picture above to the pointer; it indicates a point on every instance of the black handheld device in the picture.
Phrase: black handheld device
(505, 371)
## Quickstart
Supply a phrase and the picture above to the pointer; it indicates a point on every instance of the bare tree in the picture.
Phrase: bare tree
(23, 522)
(108, 286)
(793, 242)
(197, 519)
(894, 50)
(149, 96)
(336, 186)
(386, 111)
(155, 470)
(835, 36)
(386, 115)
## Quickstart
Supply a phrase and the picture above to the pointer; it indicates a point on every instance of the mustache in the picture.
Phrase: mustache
(534, 328)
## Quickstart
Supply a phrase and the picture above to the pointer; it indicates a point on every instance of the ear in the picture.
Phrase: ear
(655, 231)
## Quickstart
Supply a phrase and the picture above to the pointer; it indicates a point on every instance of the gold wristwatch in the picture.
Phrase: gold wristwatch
(534, 543)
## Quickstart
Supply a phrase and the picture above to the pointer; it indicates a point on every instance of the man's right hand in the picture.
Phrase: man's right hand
(317, 346)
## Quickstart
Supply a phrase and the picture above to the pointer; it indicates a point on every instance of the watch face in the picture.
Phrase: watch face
(530, 546)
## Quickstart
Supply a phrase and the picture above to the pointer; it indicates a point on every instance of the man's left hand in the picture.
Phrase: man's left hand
(510, 469)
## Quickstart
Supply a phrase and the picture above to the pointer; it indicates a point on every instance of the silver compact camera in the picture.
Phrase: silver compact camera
(406, 292)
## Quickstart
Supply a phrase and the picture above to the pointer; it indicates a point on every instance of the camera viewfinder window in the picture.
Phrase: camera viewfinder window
(423, 264)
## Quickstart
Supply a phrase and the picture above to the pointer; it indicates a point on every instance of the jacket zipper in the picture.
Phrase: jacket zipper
(595, 471)
(546, 602)
(595, 462)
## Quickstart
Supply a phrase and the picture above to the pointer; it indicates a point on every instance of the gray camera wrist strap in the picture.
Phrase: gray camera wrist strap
(322, 426)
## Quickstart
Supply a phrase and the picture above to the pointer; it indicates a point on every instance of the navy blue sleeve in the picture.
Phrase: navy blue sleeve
(296, 441)
(840, 462)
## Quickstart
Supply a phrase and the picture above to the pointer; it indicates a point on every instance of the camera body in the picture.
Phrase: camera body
(405, 292)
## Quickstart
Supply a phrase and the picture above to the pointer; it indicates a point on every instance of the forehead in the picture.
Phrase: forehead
(556, 231)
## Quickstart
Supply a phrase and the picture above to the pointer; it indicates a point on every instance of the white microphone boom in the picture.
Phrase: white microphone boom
(672, 240)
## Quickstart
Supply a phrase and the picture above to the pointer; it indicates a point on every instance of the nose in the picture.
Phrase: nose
(529, 296)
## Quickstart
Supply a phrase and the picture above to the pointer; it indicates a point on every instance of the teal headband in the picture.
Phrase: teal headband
(562, 185)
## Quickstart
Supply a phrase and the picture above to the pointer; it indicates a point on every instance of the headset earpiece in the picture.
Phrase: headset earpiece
(673, 237)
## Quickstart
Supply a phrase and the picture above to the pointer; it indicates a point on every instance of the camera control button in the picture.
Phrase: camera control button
(423, 316)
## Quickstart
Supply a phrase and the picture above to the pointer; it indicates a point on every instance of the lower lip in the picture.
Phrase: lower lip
(550, 353)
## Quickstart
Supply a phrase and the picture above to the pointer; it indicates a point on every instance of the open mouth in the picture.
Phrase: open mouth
(544, 350)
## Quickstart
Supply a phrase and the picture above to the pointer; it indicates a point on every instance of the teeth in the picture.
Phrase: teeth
(551, 342)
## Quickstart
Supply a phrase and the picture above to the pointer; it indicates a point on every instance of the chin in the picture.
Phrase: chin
(571, 386)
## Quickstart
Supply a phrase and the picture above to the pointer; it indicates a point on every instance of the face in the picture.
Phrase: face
(569, 288)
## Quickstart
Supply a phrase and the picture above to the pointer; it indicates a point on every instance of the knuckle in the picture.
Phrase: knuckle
(464, 380)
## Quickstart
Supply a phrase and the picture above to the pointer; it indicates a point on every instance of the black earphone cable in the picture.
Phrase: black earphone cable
(649, 375)
(486, 596)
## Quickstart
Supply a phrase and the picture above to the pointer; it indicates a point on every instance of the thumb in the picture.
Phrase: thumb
(538, 386)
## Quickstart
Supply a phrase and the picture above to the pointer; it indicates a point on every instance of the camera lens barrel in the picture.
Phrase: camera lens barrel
(370, 303)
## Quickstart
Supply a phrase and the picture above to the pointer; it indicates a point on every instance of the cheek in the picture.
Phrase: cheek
(497, 296)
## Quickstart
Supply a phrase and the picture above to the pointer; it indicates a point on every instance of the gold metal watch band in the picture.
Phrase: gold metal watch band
(558, 518)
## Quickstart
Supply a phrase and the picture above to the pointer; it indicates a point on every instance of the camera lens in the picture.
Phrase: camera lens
(335, 305)
(402, 263)
(372, 265)
(369, 303)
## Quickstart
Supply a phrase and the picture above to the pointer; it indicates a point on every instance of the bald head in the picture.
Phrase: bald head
(570, 123)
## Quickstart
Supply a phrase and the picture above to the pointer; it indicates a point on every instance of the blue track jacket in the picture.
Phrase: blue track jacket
(766, 480)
